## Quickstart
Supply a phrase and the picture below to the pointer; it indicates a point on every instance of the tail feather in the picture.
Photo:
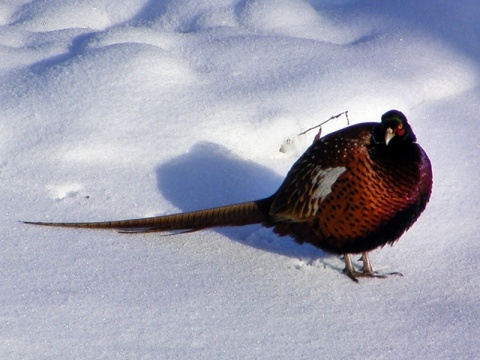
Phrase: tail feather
(252, 212)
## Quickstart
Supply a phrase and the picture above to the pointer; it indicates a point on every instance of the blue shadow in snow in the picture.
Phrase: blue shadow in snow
(76, 48)
(209, 175)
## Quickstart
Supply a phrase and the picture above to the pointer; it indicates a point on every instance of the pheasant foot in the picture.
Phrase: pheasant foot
(366, 271)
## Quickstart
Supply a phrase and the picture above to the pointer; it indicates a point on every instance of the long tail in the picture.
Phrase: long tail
(252, 212)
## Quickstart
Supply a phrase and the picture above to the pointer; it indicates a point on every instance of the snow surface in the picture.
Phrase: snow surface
(112, 109)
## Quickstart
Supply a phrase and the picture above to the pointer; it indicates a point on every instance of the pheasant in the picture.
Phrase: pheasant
(352, 191)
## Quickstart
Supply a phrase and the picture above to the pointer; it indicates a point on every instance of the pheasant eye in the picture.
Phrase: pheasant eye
(399, 130)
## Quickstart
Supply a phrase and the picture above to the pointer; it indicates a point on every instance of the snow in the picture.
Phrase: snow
(120, 109)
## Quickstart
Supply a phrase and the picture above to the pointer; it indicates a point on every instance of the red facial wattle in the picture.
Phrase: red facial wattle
(399, 130)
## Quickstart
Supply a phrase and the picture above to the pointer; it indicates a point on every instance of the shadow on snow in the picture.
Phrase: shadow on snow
(209, 175)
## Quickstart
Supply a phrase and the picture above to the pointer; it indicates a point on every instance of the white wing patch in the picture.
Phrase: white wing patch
(324, 179)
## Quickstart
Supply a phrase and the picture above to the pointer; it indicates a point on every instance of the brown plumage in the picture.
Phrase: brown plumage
(352, 191)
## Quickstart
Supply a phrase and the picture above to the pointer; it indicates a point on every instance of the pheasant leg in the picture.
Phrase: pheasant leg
(367, 270)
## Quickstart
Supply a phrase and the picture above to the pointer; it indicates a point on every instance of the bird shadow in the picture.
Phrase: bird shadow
(209, 175)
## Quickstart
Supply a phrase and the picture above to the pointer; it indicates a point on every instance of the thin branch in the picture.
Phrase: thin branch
(288, 141)
(326, 121)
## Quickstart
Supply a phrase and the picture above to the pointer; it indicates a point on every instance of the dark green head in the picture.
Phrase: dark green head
(394, 129)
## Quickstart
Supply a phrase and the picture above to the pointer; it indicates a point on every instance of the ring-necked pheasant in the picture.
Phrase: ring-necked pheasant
(352, 191)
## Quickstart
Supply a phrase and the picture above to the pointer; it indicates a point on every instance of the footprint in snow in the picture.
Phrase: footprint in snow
(61, 192)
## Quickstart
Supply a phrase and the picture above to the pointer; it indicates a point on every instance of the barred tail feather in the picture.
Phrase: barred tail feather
(252, 212)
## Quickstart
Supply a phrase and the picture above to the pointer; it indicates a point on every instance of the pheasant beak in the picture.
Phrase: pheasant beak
(389, 134)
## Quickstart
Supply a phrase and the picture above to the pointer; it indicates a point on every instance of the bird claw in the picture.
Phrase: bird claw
(354, 275)
(366, 271)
